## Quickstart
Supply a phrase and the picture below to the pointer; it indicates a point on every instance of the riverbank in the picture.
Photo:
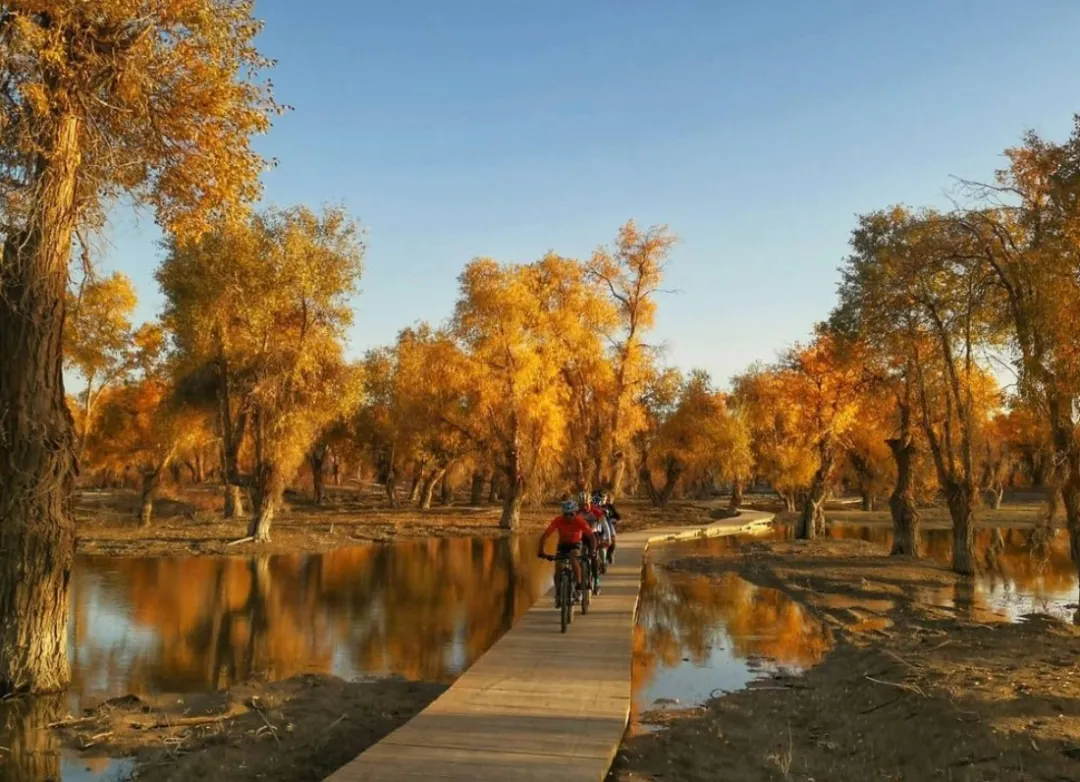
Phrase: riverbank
(923, 682)
(189, 523)
(296, 730)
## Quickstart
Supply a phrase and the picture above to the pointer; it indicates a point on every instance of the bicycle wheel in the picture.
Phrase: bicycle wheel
(565, 607)
(586, 585)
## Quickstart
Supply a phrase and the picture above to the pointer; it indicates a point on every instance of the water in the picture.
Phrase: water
(698, 636)
(423, 610)
(1018, 575)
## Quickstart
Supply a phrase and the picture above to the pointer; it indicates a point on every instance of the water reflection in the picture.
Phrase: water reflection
(1020, 571)
(420, 609)
(696, 635)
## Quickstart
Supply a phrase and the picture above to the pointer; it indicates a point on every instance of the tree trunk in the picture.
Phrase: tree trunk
(269, 486)
(997, 495)
(960, 499)
(417, 482)
(618, 474)
(268, 492)
(427, 487)
(494, 493)
(175, 471)
(515, 491)
(869, 502)
(232, 436)
(149, 489)
(37, 444)
(511, 511)
(476, 491)
(390, 486)
(812, 521)
(736, 500)
(905, 516)
(234, 501)
(317, 463)
(446, 494)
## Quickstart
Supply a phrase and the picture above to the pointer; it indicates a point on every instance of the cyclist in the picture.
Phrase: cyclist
(604, 535)
(571, 529)
(604, 501)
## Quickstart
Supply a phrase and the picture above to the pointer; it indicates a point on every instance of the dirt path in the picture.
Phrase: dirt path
(919, 686)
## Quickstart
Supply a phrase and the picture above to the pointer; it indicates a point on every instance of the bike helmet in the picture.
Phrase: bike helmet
(598, 497)
(583, 499)
(569, 508)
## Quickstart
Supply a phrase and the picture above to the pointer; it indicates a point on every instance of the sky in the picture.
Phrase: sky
(455, 129)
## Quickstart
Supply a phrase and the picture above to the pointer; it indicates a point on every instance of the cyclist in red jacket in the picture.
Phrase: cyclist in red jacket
(571, 529)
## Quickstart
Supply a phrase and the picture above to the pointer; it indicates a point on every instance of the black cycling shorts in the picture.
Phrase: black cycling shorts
(568, 548)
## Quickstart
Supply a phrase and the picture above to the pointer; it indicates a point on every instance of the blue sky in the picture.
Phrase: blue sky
(505, 128)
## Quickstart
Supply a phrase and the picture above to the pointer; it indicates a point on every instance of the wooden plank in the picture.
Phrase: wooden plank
(540, 704)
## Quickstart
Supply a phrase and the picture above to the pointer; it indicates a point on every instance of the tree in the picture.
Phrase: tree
(632, 272)
(869, 460)
(155, 99)
(298, 315)
(214, 288)
(658, 399)
(261, 306)
(97, 340)
(776, 436)
(694, 437)
(920, 291)
(874, 309)
(1025, 225)
(822, 386)
(520, 326)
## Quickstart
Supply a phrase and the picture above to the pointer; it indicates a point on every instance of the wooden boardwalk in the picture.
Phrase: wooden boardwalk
(539, 705)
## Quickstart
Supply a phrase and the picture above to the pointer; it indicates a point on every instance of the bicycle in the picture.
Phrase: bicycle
(564, 588)
(586, 582)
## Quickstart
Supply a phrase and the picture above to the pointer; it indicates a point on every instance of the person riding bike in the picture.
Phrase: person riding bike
(604, 536)
(603, 500)
(571, 528)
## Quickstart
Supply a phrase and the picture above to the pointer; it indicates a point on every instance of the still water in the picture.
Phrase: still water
(422, 610)
(698, 636)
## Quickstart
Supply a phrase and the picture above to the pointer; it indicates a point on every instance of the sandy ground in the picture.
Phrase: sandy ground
(189, 522)
(920, 685)
(300, 729)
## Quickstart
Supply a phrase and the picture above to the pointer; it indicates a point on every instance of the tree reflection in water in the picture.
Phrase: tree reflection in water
(696, 633)
(421, 609)
(1020, 570)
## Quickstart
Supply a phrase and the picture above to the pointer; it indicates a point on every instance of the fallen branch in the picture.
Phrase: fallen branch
(248, 539)
(179, 722)
(900, 659)
(70, 721)
(898, 685)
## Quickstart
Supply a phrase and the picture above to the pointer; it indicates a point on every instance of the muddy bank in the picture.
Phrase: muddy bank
(300, 729)
(190, 523)
(922, 683)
